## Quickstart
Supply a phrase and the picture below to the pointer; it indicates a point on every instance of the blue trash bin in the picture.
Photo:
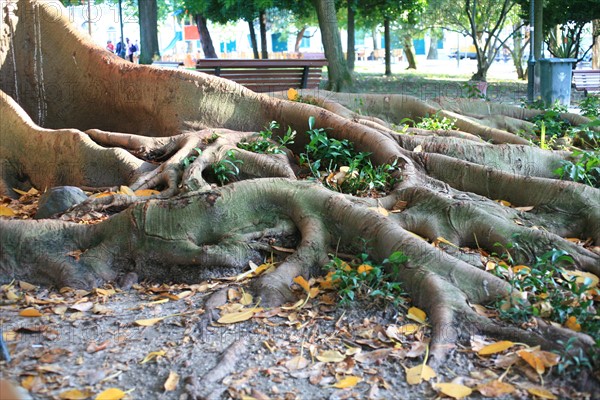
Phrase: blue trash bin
(555, 80)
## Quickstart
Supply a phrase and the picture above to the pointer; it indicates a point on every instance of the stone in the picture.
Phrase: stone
(59, 199)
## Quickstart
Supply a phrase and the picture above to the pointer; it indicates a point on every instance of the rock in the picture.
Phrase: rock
(59, 199)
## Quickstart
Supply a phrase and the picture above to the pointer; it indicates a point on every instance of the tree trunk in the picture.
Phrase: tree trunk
(407, 44)
(253, 41)
(596, 48)
(388, 46)
(432, 54)
(374, 33)
(167, 130)
(517, 52)
(207, 44)
(339, 77)
(148, 31)
(262, 18)
(351, 45)
(298, 41)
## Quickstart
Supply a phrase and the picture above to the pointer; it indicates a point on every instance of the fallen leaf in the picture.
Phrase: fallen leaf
(380, 210)
(302, 283)
(75, 394)
(26, 286)
(172, 381)
(453, 390)
(442, 240)
(494, 348)
(152, 355)
(149, 321)
(126, 190)
(368, 357)
(533, 360)
(246, 299)
(347, 382)
(541, 392)
(6, 212)
(418, 149)
(30, 313)
(581, 277)
(416, 314)
(145, 192)
(296, 363)
(111, 394)
(418, 374)
(237, 316)
(83, 307)
(292, 94)
(495, 388)
(331, 356)
(364, 268)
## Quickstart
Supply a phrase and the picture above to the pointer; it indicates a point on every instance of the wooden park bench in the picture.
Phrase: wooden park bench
(266, 75)
(586, 80)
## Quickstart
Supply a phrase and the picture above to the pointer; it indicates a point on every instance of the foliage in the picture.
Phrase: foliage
(585, 169)
(186, 162)
(366, 278)
(551, 292)
(226, 168)
(590, 106)
(264, 142)
(340, 167)
(436, 122)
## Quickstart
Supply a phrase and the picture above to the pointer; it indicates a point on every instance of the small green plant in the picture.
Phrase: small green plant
(590, 107)
(227, 168)
(436, 122)
(366, 278)
(264, 143)
(472, 91)
(572, 363)
(186, 162)
(340, 167)
(585, 169)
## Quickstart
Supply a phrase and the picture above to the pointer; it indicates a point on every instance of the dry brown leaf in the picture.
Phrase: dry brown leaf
(26, 286)
(296, 363)
(368, 357)
(302, 283)
(172, 381)
(246, 299)
(347, 382)
(83, 307)
(494, 348)
(30, 313)
(238, 316)
(416, 314)
(495, 388)
(454, 390)
(331, 356)
(541, 392)
(149, 321)
(6, 211)
(111, 394)
(152, 355)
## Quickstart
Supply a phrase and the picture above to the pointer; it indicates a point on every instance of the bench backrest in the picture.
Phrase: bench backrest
(266, 75)
(586, 78)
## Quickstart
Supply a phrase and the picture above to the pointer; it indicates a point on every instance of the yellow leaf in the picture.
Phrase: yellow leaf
(408, 329)
(302, 283)
(26, 286)
(172, 381)
(6, 212)
(126, 190)
(453, 390)
(518, 268)
(494, 348)
(294, 306)
(292, 94)
(572, 324)
(30, 312)
(495, 389)
(75, 394)
(418, 374)
(22, 193)
(103, 194)
(145, 192)
(149, 321)
(364, 268)
(533, 360)
(582, 277)
(237, 316)
(111, 394)
(331, 356)
(541, 392)
(152, 355)
(442, 240)
(313, 292)
(504, 203)
(347, 382)
(416, 314)
(246, 299)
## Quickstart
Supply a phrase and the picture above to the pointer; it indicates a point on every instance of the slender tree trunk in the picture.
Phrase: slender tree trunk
(375, 41)
(517, 53)
(253, 39)
(339, 75)
(205, 39)
(350, 52)
(388, 46)
(408, 50)
(596, 48)
(299, 37)
(432, 54)
(148, 31)
(264, 53)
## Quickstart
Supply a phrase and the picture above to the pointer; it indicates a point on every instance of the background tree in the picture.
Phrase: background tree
(148, 11)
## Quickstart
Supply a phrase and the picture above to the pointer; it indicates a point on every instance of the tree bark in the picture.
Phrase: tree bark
(388, 46)
(351, 45)
(262, 18)
(596, 48)
(298, 41)
(253, 41)
(339, 77)
(149, 51)
(432, 54)
(409, 51)
(207, 44)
